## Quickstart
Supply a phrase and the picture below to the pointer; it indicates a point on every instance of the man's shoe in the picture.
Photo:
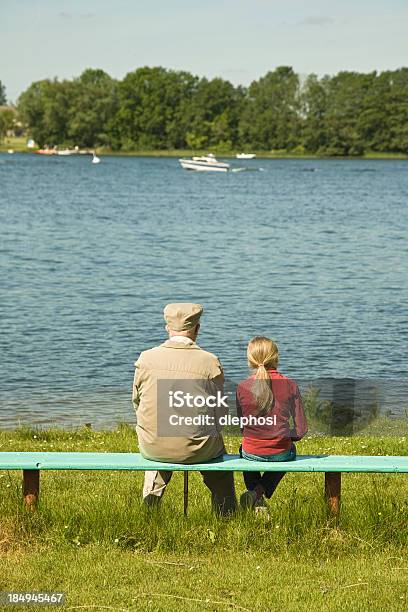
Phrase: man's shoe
(248, 499)
(152, 501)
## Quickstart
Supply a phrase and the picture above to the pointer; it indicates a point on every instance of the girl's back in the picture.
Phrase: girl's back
(271, 429)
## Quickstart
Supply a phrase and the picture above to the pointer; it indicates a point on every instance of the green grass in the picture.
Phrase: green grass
(93, 539)
(18, 144)
(97, 577)
(375, 155)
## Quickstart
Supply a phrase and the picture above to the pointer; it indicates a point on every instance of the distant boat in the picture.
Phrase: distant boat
(245, 155)
(95, 159)
(204, 163)
(56, 151)
(10, 151)
(46, 151)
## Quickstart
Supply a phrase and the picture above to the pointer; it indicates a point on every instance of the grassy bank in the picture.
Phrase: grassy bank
(15, 143)
(93, 539)
(19, 145)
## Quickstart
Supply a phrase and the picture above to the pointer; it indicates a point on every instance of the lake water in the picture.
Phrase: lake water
(310, 252)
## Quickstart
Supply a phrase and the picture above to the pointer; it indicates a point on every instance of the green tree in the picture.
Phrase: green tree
(347, 95)
(372, 118)
(3, 129)
(7, 118)
(213, 113)
(396, 110)
(351, 113)
(3, 97)
(271, 117)
(44, 108)
(152, 108)
(314, 109)
(92, 106)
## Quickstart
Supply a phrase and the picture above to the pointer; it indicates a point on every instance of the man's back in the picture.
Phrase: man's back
(173, 360)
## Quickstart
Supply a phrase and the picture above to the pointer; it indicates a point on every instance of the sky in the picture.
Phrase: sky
(239, 40)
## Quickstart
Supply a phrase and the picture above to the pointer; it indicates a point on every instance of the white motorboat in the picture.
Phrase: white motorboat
(65, 152)
(205, 163)
(245, 155)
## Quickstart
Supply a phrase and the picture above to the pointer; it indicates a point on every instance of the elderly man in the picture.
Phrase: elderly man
(179, 361)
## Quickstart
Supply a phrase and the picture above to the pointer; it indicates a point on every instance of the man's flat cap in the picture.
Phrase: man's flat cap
(182, 317)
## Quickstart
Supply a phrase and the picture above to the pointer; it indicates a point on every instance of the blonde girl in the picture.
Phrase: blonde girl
(274, 418)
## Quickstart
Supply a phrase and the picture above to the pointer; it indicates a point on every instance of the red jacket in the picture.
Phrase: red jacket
(289, 419)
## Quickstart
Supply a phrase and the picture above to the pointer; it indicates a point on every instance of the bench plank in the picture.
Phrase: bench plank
(135, 461)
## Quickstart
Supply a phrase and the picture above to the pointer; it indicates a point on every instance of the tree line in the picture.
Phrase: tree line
(348, 113)
(6, 114)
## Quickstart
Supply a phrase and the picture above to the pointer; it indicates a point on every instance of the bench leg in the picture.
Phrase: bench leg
(332, 490)
(185, 475)
(31, 487)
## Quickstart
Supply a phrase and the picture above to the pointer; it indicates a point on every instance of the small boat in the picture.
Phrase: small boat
(46, 151)
(66, 152)
(10, 151)
(204, 163)
(245, 155)
(95, 159)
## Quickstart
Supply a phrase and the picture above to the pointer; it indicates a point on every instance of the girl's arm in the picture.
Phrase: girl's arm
(299, 417)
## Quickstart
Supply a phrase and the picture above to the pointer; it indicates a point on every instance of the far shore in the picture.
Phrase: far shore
(18, 145)
(259, 155)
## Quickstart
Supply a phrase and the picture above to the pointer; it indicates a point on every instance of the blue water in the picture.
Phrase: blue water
(310, 252)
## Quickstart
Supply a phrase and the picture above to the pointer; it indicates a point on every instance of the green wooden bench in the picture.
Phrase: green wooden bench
(331, 465)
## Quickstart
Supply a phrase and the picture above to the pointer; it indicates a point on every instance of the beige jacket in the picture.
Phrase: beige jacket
(173, 360)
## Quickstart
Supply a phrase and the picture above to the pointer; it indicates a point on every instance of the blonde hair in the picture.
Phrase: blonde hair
(262, 353)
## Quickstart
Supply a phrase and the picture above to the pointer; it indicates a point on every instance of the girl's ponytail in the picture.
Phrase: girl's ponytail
(262, 353)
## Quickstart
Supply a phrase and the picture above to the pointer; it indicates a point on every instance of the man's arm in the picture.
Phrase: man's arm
(218, 385)
(136, 385)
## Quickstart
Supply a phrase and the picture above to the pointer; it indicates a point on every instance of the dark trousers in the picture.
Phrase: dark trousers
(269, 481)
